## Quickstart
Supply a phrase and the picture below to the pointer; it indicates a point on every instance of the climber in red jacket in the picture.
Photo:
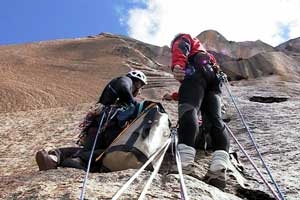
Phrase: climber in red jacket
(197, 71)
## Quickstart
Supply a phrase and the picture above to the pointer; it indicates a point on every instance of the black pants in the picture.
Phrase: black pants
(66, 157)
(197, 95)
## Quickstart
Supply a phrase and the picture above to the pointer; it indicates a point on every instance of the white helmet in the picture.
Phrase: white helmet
(139, 75)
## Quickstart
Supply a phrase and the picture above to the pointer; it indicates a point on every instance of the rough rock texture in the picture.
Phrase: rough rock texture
(47, 87)
(244, 60)
(68, 72)
(263, 64)
(291, 48)
(216, 42)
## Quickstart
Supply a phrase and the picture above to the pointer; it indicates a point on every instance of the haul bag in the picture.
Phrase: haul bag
(142, 138)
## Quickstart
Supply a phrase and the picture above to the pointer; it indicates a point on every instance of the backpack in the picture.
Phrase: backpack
(138, 141)
(117, 117)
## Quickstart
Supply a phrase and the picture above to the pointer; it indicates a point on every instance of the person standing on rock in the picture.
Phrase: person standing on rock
(197, 71)
(119, 91)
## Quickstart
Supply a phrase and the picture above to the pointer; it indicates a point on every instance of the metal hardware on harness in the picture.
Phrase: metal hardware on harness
(223, 78)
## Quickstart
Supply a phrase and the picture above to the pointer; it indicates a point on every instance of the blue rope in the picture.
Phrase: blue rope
(252, 139)
(90, 159)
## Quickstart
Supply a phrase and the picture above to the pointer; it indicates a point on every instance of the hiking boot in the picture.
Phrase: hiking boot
(185, 169)
(44, 161)
(216, 178)
(190, 169)
(187, 156)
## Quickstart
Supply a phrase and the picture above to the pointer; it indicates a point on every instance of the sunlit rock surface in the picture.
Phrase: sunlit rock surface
(46, 89)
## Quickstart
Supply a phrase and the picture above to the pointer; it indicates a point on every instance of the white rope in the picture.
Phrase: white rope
(142, 196)
(124, 187)
(183, 190)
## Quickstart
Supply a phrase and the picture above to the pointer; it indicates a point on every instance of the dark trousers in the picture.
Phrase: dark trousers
(75, 157)
(197, 95)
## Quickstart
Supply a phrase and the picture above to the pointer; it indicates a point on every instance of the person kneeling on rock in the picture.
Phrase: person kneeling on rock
(117, 99)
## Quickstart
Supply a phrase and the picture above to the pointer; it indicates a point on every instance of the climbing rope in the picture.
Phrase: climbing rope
(90, 159)
(152, 157)
(183, 190)
(252, 163)
(157, 167)
(160, 153)
(224, 79)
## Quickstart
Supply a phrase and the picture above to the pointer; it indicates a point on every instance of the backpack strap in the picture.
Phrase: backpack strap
(141, 104)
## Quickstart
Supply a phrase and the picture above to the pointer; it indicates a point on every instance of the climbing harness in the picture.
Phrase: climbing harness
(223, 78)
(90, 158)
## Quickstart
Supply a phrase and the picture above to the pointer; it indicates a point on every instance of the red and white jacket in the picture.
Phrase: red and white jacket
(184, 47)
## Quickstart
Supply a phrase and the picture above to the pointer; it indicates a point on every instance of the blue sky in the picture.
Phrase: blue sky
(151, 21)
(35, 20)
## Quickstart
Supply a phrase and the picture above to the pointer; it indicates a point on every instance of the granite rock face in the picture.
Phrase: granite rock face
(46, 89)
(216, 42)
(247, 60)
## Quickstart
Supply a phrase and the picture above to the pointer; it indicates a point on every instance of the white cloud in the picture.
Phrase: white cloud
(158, 21)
